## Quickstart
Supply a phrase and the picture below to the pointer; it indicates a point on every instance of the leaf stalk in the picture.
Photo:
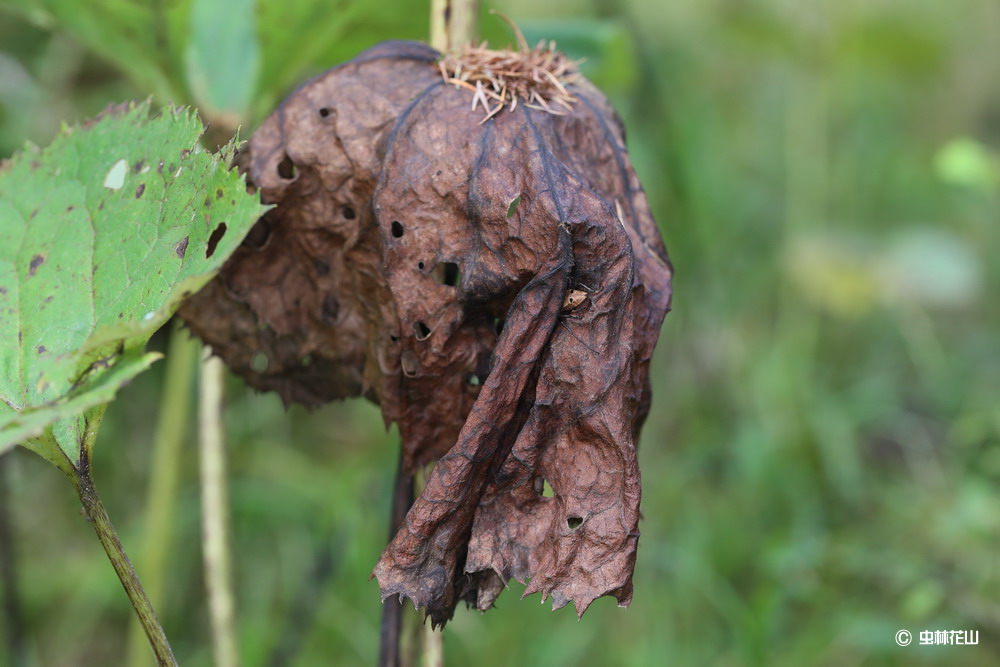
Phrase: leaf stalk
(98, 516)
(215, 514)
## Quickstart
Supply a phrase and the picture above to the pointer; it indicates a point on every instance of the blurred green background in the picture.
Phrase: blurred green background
(822, 460)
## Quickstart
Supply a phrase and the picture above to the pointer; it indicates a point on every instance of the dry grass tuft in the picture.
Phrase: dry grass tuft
(536, 78)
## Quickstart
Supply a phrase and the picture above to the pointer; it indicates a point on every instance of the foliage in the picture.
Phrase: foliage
(822, 459)
(101, 235)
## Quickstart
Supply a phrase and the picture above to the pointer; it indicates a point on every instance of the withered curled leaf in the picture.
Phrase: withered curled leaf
(496, 287)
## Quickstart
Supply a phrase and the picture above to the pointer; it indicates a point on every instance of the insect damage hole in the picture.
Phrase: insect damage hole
(447, 274)
(324, 112)
(543, 488)
(348, 212)
(115, 178)
(397, 229)
(421, 330)
(260, 233)
(574, 522)
(214, 238)
(286, 168)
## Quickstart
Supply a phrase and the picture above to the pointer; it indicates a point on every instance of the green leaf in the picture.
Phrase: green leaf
(29, 426)
(222, 58)
(102, 234)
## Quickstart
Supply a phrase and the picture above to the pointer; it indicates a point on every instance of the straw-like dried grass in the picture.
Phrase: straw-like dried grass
(535, 77)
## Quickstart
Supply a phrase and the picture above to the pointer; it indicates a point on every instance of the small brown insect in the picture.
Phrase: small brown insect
(573, 299)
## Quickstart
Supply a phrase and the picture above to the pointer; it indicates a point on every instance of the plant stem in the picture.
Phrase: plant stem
(215, 514)
(98, 516)
(453, 23)
(423, 645)
(172, 424)
(431, 640)
(433, 654)
(392, 610)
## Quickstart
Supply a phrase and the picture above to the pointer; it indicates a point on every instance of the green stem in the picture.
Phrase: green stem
(172, 424)
(453, 23)
(433, 654)
(215, 514)
(98, 516)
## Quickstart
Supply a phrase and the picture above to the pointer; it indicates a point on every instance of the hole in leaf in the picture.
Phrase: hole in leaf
(259, 363)
(420, 265)
(397, 229)
(473, 380)
(260, 233)
(324, 112)
(483, 366)
(447, 274)
(331, 309)
(422, 330)
(409, 362)
(348, 213)
(286, 168)
(115, 178)
(574, 522)
(513, 206)
(543, 488)
(214, 238)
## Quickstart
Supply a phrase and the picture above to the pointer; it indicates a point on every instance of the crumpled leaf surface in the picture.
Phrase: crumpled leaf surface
(101, 236)
(423, 258)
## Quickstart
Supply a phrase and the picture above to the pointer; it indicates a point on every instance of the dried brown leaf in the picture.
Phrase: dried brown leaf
(496, 287)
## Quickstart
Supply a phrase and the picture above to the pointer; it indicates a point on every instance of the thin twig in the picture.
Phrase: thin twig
(215, 514)
(98, 515)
